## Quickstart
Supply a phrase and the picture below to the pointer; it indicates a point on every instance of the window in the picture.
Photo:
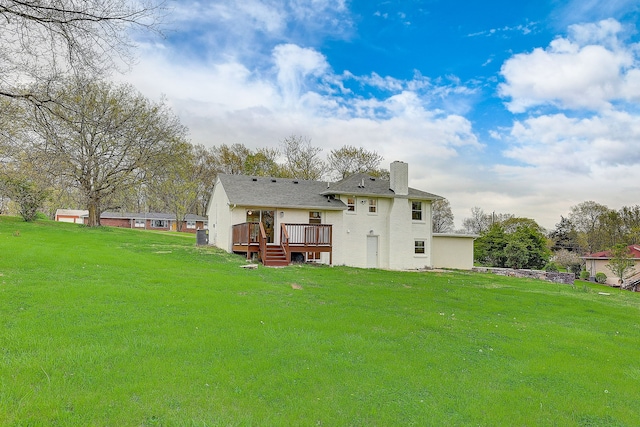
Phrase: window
(419, 247)
(205, 225)
(191, 224)
(373, 205)
(416, 211)
(315, 218)
(159, 223)
(139, 223)
(351, 204)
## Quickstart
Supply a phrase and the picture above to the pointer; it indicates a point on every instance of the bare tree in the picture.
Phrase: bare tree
(44, 40)
(478, 222)
(104, 138)
(350, 160)
(441, 217)
(302, 159)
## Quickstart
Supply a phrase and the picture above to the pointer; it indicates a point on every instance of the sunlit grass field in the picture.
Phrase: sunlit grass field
(112, 327)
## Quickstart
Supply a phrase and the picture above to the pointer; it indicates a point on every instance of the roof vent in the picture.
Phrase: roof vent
(361, 183)
(295, 182)
(254, 179)
(372, 178)
(273, 180)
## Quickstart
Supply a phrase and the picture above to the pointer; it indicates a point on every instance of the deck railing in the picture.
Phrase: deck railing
(309, 234)
(262, 239)
(246, 233)
(284, 241)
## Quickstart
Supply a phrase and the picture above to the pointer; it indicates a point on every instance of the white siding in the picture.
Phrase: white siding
(392, 224)
(220, 218)
(451, 251)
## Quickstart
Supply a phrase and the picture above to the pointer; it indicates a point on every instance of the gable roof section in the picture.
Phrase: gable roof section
(271, 192)
(362, 184)
(605, 255)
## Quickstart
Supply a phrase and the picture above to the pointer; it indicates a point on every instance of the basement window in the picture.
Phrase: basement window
(419, 247)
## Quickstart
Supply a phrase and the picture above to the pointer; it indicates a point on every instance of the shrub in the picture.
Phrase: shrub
(584, 275)
(552, 266)
(601, 278)
(576, 269)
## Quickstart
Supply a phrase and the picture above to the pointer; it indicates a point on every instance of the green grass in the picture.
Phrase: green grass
(112, 327)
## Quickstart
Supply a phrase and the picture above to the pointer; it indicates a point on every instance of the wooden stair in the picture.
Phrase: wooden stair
(274, 257)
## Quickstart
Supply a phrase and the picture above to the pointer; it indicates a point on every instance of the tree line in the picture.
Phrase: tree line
(104, 146)
(508, 241)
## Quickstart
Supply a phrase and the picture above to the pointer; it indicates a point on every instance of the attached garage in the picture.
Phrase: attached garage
(451, 250)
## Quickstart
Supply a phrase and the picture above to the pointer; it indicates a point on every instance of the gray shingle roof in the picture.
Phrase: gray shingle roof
(296, 193)
(366, 185)
(277, 192)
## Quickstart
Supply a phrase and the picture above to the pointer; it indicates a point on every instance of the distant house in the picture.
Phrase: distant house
(70, 215)
(151, 221)
(360, 221)
(597, 263)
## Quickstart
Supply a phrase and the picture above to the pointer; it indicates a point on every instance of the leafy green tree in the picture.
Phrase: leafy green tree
(489, 247)
(350, 160)
(587, 218)
(564, 237)
(531, 236)
(516, 254)
(26, 193)
(103, 138)
(263, 162)
(513, 243)
(621, 263)
(230, 159)
(630, 218)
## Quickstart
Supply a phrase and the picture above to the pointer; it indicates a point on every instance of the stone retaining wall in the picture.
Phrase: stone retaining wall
(549, 276)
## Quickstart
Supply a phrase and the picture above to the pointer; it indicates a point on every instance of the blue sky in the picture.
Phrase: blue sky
(526, 108)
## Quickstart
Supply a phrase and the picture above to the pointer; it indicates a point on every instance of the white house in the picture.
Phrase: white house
(360, 221)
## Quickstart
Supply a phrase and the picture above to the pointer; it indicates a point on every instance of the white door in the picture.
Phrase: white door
(372, 251)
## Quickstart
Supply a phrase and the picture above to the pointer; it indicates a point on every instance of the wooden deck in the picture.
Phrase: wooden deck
(250, 238)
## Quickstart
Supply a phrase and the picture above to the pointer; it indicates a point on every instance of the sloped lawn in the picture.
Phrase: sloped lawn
(115, 327)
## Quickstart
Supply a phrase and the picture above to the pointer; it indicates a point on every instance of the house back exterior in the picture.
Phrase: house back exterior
(360, 221)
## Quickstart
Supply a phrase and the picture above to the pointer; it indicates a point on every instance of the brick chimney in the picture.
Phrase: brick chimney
(399, 177)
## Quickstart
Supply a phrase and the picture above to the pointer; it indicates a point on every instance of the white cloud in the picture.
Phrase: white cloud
(603, 141)
(591, 68)
(300, 94)
(295, 65)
